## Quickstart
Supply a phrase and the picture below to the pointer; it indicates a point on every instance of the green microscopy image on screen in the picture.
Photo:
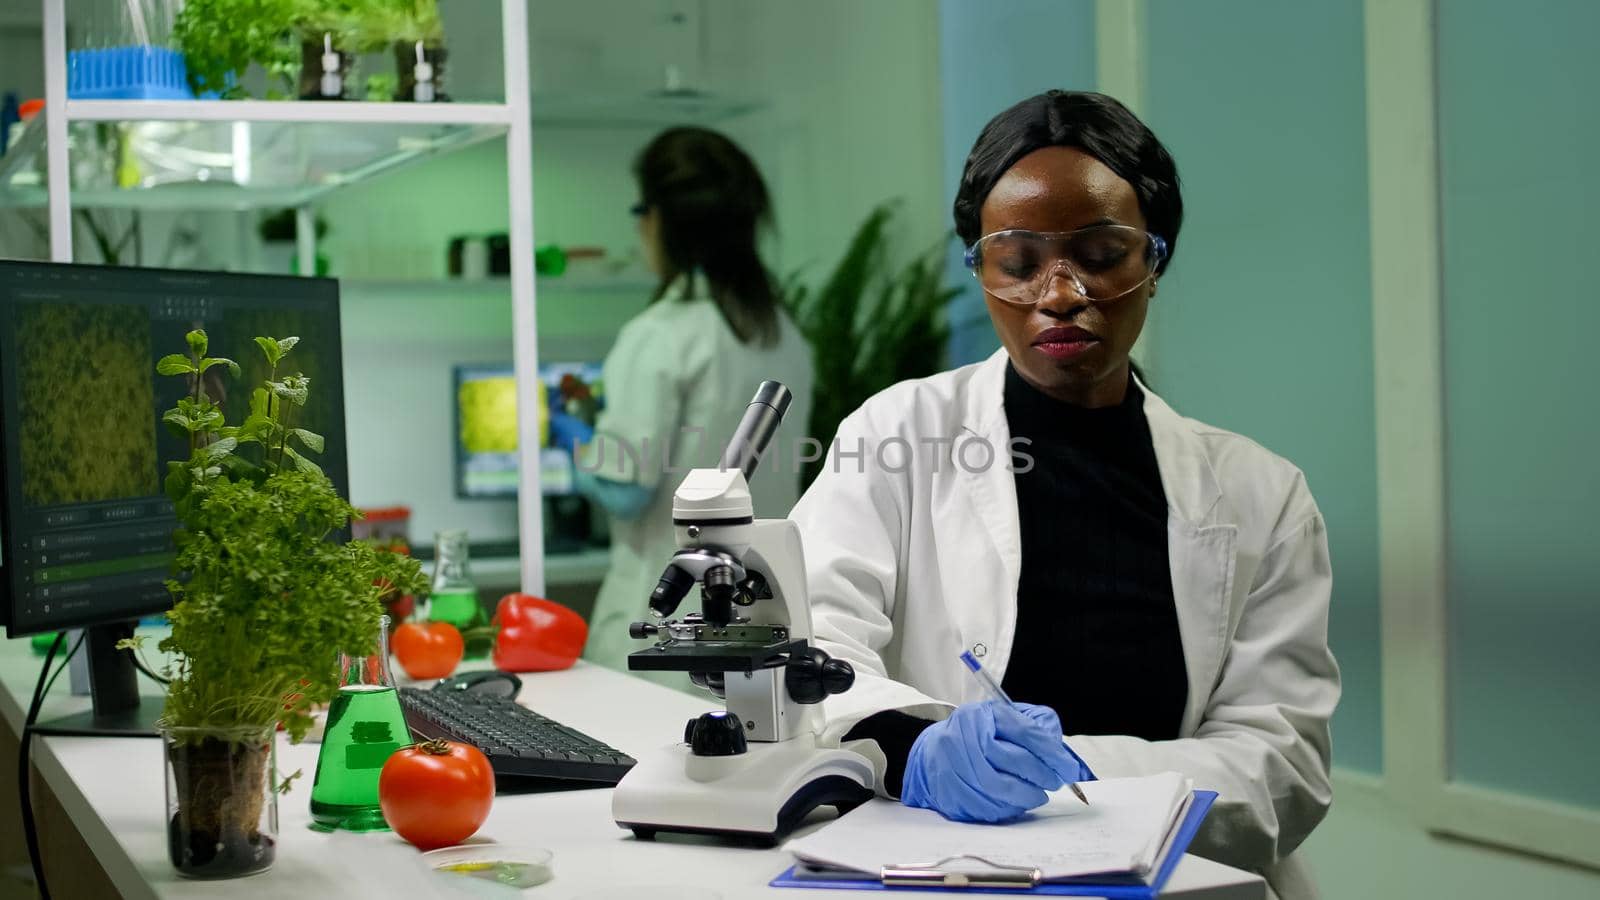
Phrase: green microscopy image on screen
(86, 403)
(488, 415)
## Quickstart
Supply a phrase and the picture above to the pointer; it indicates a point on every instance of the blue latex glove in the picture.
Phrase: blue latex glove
(989, 762)
(623, 500)
(568, 432)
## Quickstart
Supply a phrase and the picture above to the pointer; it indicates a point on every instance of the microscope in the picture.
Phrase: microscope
(753, 770)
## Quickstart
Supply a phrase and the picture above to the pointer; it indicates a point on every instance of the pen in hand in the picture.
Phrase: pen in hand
(995, 692)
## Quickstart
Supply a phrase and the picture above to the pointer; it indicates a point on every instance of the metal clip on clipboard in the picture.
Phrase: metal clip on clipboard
(930, 875)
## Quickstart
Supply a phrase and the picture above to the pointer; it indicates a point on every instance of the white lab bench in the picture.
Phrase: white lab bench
(103, 810)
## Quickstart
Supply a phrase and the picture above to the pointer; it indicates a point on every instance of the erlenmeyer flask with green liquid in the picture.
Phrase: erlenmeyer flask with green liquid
(365, 725)
(454, 595)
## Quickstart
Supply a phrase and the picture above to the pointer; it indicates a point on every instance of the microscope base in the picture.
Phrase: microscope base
(757, 797)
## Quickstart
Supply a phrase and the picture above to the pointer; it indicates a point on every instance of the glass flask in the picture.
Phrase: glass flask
(454, 596)
(365, 725)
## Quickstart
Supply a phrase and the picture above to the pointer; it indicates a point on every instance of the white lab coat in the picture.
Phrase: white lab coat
(908, 568)
(678, 374)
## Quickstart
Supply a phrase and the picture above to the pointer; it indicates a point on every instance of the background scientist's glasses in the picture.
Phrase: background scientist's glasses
(1102, 262)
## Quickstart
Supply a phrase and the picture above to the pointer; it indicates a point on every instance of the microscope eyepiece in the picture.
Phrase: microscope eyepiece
(760, 423)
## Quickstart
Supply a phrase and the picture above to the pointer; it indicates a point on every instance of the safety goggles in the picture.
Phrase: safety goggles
(1101, 262)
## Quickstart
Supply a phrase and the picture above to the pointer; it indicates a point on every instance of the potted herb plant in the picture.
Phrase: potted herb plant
(265, 600)
(220, 39)
(332, 34)
(417, 34)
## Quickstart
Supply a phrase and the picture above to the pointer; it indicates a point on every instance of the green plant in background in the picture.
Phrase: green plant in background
(408, 21)
(381, 87)
(350, 22)
(219, 40)
(869, 327)
(367, 26)
(280, 226)
(265, 600)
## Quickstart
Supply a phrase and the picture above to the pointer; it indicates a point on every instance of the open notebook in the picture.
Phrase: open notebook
(1121, 837)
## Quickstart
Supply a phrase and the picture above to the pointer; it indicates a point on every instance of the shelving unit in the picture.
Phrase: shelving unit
(233, 163)
(348, 112)
(320, 160)
(636, 285)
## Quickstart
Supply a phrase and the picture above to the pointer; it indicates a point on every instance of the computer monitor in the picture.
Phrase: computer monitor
(486, 427)
(85, 531)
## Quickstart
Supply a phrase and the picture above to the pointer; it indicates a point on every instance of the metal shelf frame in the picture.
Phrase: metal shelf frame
(343, 112)
(513, 116)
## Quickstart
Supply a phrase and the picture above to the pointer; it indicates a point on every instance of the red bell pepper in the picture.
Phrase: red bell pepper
(536, 635)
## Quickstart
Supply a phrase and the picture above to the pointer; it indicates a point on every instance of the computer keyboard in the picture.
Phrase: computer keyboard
(517, 740)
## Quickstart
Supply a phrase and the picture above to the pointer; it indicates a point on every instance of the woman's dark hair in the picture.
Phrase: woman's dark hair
(1094, 123)
(710, 201)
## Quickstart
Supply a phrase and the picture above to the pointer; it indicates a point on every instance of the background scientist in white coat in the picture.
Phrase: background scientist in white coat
(681, 373)
(1152, 588)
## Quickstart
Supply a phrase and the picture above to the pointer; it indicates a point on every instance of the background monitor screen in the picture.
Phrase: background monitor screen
(486, 426)
(87, 532)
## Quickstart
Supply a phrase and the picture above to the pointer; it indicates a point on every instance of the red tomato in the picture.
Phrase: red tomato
(536, 635)
(437, 793)
(428, 649)
(400, 608)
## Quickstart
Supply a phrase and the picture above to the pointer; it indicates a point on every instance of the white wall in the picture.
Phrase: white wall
(1368, 848)
(853, 120)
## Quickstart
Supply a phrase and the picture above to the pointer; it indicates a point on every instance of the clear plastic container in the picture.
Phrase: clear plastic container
(508, 865)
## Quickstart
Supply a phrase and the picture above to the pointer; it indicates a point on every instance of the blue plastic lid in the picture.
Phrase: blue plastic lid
(128, 73)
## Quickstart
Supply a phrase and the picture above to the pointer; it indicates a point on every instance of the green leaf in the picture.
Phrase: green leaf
(288, 782)
(239, 467)
(301, 463)
(310, 439)
(258, 403)
(174, 364)
(181, 421)
(209, 420)
(220, 448)
(294, 388)
(287, 344)
(257, 426)
(271, 349)
(207, 363)
(196, 340)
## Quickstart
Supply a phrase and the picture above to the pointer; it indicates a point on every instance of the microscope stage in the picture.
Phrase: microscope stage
(712, 656)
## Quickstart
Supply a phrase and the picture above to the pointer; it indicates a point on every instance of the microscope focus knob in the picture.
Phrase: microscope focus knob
(837, 676)
(716, 733)
(812, 675)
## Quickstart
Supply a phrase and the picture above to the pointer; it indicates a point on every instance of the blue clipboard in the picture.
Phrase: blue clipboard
(1111, 891)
